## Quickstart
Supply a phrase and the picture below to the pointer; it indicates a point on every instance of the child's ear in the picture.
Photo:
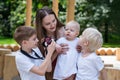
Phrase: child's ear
(24, 42)
(86, 43)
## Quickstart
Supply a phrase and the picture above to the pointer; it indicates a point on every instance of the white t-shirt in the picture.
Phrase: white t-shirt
(24, 64)
(66, 63)
(89, 67)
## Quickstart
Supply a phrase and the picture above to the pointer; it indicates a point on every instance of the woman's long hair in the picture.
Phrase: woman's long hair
(41, 32)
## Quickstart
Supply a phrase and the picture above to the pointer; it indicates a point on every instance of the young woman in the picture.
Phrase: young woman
(48, 25)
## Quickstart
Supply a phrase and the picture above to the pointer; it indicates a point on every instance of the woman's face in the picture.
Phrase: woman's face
(49, 23)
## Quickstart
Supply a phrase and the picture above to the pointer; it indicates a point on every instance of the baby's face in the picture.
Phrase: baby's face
(71, 32)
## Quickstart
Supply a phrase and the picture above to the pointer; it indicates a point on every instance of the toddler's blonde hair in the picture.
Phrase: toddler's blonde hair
(74, 24)
(94, 38)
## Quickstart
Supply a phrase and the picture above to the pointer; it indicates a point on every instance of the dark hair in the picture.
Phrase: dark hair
(23, 33)
(41, 32)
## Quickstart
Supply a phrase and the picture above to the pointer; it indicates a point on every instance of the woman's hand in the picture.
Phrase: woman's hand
(64, 47)
(58, 48)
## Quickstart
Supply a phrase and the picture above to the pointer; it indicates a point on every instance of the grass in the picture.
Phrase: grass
(12, 41)
(7, 41)
(113, 45)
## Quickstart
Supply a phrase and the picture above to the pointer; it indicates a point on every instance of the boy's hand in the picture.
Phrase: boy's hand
(51, 47)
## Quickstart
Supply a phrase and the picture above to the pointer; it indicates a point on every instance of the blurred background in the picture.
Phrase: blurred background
(103, 14)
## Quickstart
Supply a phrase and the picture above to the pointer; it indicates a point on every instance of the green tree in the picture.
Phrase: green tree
(115, 21)
(5, 28)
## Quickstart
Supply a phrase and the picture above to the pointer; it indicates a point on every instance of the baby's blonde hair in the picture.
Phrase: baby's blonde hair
(94, 38)
(74, 24)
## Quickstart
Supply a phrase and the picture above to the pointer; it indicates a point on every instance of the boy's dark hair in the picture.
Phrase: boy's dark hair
(23, 33)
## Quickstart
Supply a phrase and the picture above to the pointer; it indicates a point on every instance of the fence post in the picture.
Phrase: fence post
(2, 54)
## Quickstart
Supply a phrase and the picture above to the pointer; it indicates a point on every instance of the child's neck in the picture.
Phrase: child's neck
(85, 53)
(27, 50)
(70, 39)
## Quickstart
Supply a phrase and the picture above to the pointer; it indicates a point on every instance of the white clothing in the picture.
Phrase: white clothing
(66, 63)
(24, 65)
(89, 67)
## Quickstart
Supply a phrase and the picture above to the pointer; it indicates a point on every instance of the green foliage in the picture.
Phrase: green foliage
(4, 22)
(4, 40)
(115, 20)
(112, 45)
(17, 14)
(91, 12)
(62, 10)
(103, 14)
(13, 14)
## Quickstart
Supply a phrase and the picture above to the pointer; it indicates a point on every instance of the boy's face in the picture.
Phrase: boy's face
(32, 42)
(71, 32)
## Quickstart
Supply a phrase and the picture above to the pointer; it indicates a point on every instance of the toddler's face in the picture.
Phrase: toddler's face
(70, 32)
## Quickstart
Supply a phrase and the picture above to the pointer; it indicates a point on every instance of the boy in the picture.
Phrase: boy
(29, 61)
(89, 64)
(65, 68)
